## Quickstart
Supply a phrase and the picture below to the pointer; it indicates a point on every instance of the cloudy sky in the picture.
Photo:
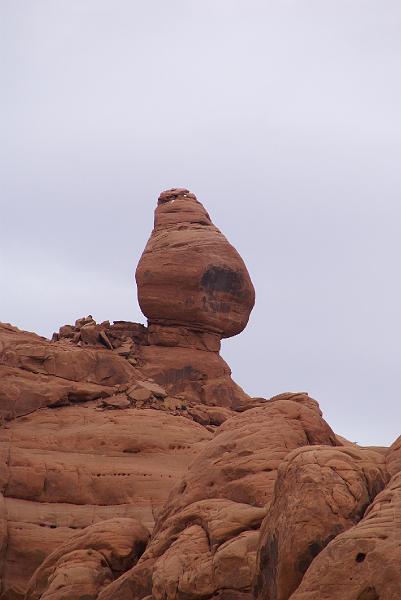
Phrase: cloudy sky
(283, 116)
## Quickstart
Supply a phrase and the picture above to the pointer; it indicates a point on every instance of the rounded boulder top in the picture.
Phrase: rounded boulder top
(173, 194)
(189, 274)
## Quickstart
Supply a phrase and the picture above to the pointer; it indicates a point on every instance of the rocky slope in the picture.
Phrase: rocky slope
(134, 467)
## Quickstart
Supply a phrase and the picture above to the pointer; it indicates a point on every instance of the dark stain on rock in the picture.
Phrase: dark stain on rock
(222, 279)
(369, 593)
(266, 581)
(314, 549)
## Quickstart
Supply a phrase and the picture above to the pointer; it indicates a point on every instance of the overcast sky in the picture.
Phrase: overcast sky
(283, 117)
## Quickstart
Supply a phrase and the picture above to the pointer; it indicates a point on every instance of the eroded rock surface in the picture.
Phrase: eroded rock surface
(320, 492)
(102, 421)
(89, 561)
(69, 467)
(189, 275)
(363, 562)
(206, 537)
(112, 427)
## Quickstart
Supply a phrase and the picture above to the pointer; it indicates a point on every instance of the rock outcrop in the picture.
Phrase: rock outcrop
(320, 492)
(206, 537)
(89, 561)
(134, 468)
(102, 421)
(363, 562)
(189, 275)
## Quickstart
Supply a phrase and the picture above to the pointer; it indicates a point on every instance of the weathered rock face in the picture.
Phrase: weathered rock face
(89, 561)
(320, 492)
(110, 428)
(189, 275)
(206, 537)
(101, 422)
(81, 440)
(66, 468)
(363, 562)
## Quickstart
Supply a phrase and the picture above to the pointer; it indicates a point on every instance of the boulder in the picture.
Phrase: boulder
(89, 560)
(189, 275)
(363, 562)
(320, 492)
(206, 536)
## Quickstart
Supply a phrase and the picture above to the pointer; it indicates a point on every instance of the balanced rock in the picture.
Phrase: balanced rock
(189, 274)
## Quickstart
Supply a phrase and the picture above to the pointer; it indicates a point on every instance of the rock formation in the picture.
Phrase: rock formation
(89, 560)
(320, 492)
(133, 467)
(206, 537)
(189, 275)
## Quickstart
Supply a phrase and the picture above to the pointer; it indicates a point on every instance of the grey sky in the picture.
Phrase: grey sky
(283, 117)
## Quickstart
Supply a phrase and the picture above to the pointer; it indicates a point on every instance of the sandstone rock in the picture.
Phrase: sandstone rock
(126, 348)
(105, 339)
(189, 275)
(210, 415)
(154, 388)
(181, 337)
(174, 404)
(393, 457)
(320, 492)
(63, 469)
(139, 394)
(78, 575)
(118, 401)
(363, 562)
(82, 466)
(203, 377)
(211, 518)
(22, 392)
(34, 354)
(89, 320)
(89, 334)
(89, 560)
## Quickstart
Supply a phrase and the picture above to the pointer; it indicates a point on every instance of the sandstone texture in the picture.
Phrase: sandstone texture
(363, 562)
(189, 275)
(320, 492)
(206, 537)
(89, 560)
(133, 467)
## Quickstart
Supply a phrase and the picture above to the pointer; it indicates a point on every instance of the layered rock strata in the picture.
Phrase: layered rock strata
(206, 537)
(133, 467)
(89, 561)
(189, 275)
(102, 421)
